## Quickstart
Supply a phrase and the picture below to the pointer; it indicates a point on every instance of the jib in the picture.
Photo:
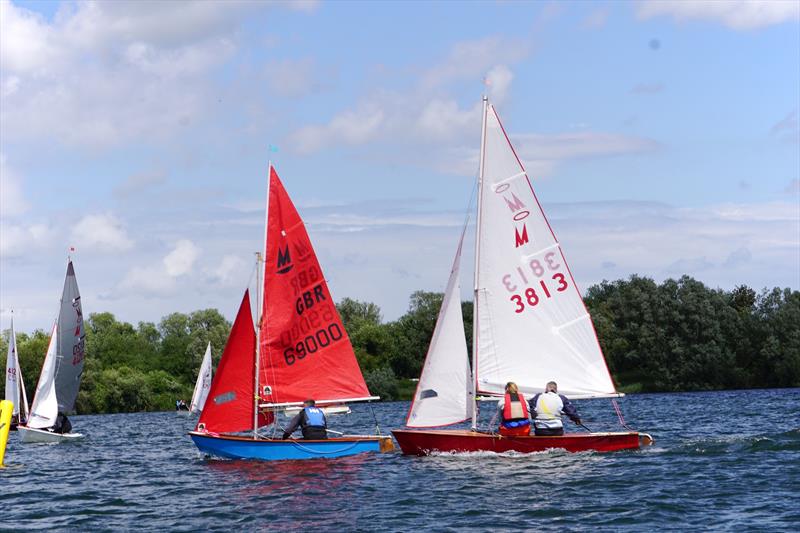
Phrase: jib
(309, 298)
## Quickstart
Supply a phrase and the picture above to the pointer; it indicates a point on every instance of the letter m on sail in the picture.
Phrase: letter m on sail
(521, 238)
(515, 204)
(284, 260)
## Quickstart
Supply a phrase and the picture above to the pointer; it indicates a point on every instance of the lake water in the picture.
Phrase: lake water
(721, 461)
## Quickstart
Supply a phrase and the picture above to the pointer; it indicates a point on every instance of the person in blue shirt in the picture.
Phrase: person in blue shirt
(311, 420)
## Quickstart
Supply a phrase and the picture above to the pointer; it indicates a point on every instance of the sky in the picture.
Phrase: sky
(661, 137)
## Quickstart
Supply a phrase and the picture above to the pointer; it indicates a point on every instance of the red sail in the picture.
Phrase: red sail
(229, 407)
(306, 352)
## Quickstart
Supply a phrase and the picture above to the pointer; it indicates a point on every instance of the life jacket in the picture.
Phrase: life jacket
(548, 411)
(515, 408)
(314, 417)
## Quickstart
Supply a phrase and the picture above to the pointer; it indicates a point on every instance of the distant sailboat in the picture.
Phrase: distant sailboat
(60, 379)
(298, 349)
(203, 384)
(15, 387)
(530, 324)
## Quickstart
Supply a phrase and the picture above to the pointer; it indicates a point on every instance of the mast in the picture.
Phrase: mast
(260, 308)
(475, 274)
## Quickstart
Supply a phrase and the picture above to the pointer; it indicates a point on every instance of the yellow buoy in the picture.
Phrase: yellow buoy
(6, 408)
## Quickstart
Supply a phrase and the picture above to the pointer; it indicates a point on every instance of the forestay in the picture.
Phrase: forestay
(203, 383)
(44, 410)
(71, 343)
(442, 396)
(533, 326)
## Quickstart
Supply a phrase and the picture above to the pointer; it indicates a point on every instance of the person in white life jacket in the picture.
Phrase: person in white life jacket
(513, 411)
(547, 409)
(311, 420)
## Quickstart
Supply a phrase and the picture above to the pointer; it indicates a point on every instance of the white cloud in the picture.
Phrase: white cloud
(18, 240)
(735, 14)
(103, 73)
(102, 232)
(149, 280)
(181, 259)
(230, 271)
(137, 183)
(349, 127)
(294, 78)
(12, 200)
(499, 81)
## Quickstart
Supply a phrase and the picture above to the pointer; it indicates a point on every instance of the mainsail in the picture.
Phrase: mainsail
(203, 384)
(44, 409)
(305, 351)
(532, 324)
(71, 344)
(15, 387)
(442, 396)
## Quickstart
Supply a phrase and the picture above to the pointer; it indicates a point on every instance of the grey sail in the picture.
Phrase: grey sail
(71, 344)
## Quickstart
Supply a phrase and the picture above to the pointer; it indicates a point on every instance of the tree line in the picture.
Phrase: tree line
(679, 335)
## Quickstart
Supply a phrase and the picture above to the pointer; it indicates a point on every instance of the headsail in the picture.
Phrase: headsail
(533, 326)
(45, 403)
(230, 405)
(203, 383)
(15, 388)
(305, 350)
(442, 396)
(71, 344)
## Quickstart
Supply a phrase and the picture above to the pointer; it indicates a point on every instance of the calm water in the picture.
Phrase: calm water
(722, 461)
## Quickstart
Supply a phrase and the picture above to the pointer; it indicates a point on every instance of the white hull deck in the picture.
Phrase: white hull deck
(27, 434)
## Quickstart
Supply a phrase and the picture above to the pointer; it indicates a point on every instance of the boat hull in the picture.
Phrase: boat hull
(27, 434)
(234, 447)
(426, 442)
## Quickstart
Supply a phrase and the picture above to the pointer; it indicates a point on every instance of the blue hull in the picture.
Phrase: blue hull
(232, 447)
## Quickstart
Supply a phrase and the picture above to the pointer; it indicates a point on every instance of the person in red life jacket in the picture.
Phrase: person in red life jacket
(513, 412)
(547, 409)
(311, 420)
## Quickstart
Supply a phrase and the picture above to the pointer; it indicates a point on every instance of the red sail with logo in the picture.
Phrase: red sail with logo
(229, 407)
(305, 350)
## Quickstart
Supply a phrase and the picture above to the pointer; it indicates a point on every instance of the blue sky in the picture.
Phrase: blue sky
(662, 139)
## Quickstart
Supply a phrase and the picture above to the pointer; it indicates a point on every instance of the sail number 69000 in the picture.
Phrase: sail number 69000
(530, 297)
(312, 343)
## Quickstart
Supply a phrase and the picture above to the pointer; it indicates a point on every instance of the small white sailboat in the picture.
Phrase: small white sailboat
(203, 384)
(61, 372)
(15, 387)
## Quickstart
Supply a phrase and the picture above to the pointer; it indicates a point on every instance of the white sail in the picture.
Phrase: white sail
(203, 384)
(71, 344)
(45, 403)
(15, 389)
(532, 324)
(442, 396)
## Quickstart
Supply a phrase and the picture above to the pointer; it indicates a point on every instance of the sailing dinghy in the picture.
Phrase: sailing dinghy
(203, 383)
(61, 371)
(15, 387)
(297, 349)
(530, 324)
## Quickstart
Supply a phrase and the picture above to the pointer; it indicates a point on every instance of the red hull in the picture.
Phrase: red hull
(425, 442)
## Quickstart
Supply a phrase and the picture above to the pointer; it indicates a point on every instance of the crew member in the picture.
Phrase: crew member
(311, 420)
(513, 411)
(547, 409)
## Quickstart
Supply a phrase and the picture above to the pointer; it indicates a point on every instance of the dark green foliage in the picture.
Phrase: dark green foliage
(679, 335)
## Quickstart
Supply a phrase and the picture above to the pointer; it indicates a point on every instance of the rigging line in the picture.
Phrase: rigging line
(375, 418)
(619, 415)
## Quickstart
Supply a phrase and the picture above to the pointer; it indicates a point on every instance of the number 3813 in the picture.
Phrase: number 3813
(530, 298)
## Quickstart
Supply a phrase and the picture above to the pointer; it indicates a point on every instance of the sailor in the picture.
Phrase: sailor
(547, 409)
(62, 424)
(513, 412)
(311, 420)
